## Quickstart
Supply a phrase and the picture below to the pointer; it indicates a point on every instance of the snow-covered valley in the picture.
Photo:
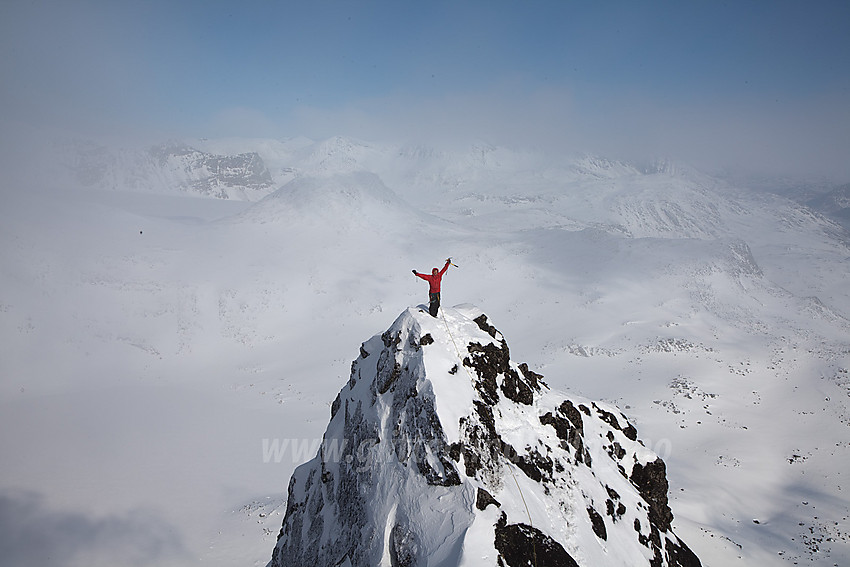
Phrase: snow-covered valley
(169, 358)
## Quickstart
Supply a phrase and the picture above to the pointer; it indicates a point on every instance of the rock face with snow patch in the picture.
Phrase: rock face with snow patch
(223, 177)
(170, 168)
(442, 451)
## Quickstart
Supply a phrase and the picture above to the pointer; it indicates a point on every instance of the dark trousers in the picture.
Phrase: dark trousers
(434, 306)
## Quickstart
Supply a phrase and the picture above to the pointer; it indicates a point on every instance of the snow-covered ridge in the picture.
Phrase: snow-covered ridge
(660, 198)
(835, 203)
(442, 451)
(172, 168)
(723, 336)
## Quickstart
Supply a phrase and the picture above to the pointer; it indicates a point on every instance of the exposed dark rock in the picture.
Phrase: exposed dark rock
(616, 451)
(448, 476)
(561, 425)
(521, 545)
(582, 455)
(422, 435)
(405, 550)
(598, 523)
(516, 389)
(615, 510)
(455, 451)
(391, 340)
(355, 374)
(485, 414)
(569, 427)
(489, 361)
(655, 545)
(651, 482)
(388, 371)
(537, 467)
(629, 431)
(391, 426)
(509, 452)
(680, 555)
(483, 445)
(534, 379)
(484, 499)
(608, 417)
(482, 323)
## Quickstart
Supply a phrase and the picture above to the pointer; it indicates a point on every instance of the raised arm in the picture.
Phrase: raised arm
(446, 267)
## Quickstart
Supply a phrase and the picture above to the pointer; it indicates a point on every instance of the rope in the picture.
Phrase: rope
(510, 468)
(521, 496)
(457, 350)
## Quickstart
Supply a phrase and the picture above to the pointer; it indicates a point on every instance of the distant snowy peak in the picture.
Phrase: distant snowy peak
(169, 168)
(351, 191)
(600, 167)
(442, 451)
(340, 155)
(673, 207)
(334, 202)
(835, 203)
(241, 176)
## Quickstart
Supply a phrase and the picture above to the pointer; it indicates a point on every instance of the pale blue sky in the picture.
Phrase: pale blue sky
(753, 81)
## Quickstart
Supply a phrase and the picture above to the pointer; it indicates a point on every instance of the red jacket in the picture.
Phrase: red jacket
(434, 279)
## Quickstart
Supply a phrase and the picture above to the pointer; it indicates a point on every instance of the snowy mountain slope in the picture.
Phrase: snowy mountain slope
(835, 203)
(169, 168)
(340, 155)
(723, 339)
(827, 198)
(666, 202)
(749, 372)
(359, 197)
(426, 464)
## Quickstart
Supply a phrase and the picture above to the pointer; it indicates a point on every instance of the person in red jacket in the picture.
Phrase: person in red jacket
(434, 286)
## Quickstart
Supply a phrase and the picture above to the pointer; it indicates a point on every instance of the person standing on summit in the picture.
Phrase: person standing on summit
(434, 286)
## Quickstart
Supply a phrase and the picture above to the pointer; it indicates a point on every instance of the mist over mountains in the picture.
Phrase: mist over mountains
(248, 169)
(221, 288)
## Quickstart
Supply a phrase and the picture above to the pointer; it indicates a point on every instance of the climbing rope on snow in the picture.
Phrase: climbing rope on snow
(457, 350)
(510, 468)
(530, 523)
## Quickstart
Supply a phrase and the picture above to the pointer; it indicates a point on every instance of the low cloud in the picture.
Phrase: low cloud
(94, 70)
(807, 137)
(31, 533)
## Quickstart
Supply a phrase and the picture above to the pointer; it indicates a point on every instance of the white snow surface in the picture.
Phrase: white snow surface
(385, 488)
(159, 344)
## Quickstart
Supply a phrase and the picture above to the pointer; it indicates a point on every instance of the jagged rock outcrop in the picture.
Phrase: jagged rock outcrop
(170, 168)
(221, 176)
(442, 451)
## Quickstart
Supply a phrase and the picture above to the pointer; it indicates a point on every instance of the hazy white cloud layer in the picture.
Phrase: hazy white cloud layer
(763, 86)
(31, 533)
(807, 137)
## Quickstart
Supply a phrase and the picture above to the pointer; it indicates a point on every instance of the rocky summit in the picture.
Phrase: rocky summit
(442, 451)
